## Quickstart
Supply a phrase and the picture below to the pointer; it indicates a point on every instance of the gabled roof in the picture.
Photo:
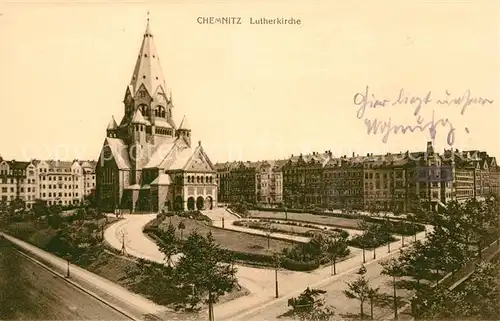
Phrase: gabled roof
(162, 180)
(161, 153)
(18, 165)
(119, 151)
(186, 156)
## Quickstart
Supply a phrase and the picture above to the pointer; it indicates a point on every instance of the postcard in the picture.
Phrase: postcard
(235, 160)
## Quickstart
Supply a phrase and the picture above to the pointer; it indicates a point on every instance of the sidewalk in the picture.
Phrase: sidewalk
(134, 304)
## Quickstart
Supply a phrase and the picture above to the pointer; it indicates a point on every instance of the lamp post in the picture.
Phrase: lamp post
(223, 222)
(277, 261)
(67, 266)
(395, 299)
(123, 243)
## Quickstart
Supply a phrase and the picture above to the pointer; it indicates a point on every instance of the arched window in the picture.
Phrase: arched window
(144, 109)
(160, 111)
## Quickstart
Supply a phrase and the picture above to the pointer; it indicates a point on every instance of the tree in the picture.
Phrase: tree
(181, 227)
(310, 305)
(373, 295)
(207, 267)
(393, 268)
(336, 247)
(54, 218)
(40, 208)
(168, 245)
(359, 289)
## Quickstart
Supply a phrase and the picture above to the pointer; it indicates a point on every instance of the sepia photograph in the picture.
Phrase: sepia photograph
(236, 160)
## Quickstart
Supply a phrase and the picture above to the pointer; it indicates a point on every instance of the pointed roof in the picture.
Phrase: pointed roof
(138, 119)
(112, 124)
(147, 69)
(184, 124)
(162, 179)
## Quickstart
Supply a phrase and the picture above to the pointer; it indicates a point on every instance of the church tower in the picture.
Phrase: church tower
(146, 161)
(147, 93)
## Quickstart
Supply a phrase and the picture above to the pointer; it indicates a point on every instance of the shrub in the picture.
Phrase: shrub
(370, 240)
(300, 266)
(397, 227)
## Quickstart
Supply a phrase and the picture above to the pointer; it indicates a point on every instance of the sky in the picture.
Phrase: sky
(253, 92)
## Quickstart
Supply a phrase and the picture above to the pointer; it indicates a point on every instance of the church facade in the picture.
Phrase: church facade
(147, 163)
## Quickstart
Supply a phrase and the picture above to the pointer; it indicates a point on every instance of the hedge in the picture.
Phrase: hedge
(300, 266)
(398, 227)
(259, 259)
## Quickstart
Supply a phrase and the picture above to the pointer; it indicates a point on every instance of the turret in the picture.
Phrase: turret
(184, 131)
(112, 127)
(138, 128)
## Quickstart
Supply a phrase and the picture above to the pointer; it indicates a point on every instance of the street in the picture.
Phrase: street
(344, 307)
(29, 292)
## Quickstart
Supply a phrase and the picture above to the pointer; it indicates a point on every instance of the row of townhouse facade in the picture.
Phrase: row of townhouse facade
(254, 182)
(56, 182)
(395, 182)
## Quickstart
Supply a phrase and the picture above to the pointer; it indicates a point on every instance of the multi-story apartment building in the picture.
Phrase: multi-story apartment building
(223, 180)
(243, 182)
(61, 182)
(235, 182)
(343, 183)
(56, 182)
(276, 190)
(302, 179)
(88, 176)
(390, 182)
(263, 173)
(18, 181)
(270, 182)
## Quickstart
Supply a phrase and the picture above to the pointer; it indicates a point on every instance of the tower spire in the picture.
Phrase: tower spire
(147, 69)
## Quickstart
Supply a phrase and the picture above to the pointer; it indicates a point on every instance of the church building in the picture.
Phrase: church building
(147, 163)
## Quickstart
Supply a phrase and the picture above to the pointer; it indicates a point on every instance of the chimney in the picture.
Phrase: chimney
(353, 154)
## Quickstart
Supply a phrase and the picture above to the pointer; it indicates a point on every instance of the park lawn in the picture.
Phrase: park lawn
(311, 218)
(230, 240)
(278, 227)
